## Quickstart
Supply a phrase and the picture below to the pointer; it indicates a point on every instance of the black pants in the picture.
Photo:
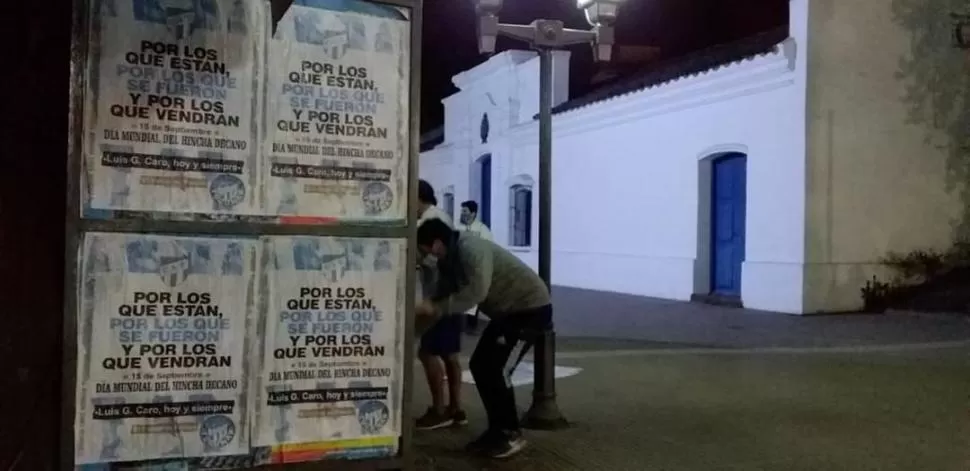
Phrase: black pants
(472, 320)
(500, 346)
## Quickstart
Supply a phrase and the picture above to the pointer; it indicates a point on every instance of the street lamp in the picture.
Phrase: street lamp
(546, 36)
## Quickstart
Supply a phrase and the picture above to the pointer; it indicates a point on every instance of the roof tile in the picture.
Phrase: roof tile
(695, 63)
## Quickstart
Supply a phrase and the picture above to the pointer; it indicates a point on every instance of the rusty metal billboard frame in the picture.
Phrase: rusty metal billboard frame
(76, 227)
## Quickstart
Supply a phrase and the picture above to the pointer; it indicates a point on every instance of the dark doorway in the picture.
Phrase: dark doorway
(485, 205)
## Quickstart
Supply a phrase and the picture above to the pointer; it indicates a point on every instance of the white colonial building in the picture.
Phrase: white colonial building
(774, 172)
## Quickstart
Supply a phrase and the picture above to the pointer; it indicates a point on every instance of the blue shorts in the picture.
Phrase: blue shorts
(443, 338)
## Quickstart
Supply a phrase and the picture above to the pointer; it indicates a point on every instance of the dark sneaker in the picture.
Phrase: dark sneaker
(484, 442)
(508, 445)
(432, 420)
(459, 418)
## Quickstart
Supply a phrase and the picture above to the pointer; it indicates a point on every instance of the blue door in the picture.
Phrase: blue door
(485, 205)
(727, 224)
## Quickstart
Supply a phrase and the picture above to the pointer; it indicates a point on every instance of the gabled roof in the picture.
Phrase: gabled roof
(695, 63)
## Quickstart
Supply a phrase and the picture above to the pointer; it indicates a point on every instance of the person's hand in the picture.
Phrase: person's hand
(425, 308)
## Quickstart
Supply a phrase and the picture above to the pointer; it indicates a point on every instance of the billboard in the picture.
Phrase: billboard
(191, 346)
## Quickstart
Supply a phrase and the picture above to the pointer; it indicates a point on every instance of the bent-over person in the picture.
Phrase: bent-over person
(475, 271)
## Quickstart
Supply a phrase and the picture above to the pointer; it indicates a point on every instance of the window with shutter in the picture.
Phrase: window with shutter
(520, 216)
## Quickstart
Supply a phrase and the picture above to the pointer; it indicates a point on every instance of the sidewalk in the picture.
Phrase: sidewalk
(738, 412)
(585, 313)
(687, 387)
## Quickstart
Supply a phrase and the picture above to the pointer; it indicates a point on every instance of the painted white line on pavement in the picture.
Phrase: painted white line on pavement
(525, 374)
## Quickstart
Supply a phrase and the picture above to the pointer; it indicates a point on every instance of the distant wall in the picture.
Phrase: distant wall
(630, 188)
(629, 176)
(877, 182)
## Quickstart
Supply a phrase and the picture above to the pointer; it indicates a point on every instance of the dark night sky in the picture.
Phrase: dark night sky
(677, 27)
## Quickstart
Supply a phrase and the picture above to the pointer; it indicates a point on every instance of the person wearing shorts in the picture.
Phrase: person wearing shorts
(441, 344)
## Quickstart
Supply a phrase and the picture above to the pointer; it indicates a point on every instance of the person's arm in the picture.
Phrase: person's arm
(476, 262)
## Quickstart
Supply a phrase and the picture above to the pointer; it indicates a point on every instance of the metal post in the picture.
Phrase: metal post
(544, 413)
(545, 165)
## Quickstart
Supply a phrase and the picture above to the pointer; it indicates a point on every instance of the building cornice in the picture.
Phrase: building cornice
(494, 64)
(746, 77)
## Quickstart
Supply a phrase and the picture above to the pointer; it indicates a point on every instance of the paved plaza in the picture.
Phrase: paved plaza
(835, 396)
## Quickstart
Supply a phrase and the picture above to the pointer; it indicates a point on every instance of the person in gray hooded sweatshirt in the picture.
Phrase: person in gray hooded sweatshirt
(475, 271)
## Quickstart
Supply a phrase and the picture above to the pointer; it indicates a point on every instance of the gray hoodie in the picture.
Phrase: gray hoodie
(497, 281)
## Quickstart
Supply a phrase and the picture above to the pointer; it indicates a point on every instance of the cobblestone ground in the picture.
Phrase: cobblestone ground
(691, 409)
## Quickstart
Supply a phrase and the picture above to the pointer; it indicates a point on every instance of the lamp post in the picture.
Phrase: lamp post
(546, 36)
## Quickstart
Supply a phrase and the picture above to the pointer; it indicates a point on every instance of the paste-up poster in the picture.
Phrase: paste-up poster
(162, 364)
(332, 353)
(171, 106)
(337, 117)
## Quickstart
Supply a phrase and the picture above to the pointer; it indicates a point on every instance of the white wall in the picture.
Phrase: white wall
(438, 168)
(626, 190)
(837, 175)
(506, 87)
(627, 193)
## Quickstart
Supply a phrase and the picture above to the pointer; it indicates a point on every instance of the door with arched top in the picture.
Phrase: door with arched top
(728, 207)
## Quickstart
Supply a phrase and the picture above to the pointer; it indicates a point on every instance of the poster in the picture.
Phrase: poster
(332, 353)
(171, 103)
(162, 365)
(337, 116)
